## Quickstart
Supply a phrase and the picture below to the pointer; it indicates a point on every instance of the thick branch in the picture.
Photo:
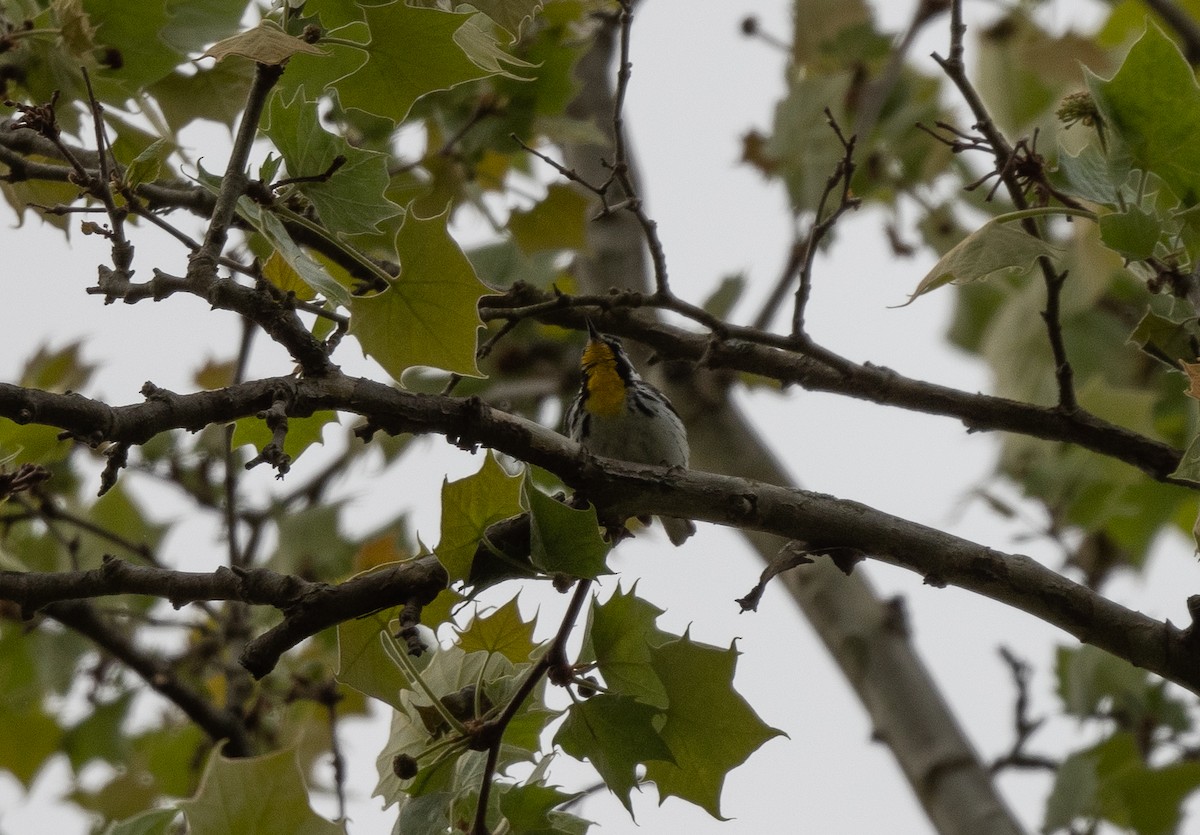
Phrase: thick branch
(820, 521)
(308, 607)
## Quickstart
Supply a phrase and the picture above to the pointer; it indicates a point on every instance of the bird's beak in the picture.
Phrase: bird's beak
(593, 334)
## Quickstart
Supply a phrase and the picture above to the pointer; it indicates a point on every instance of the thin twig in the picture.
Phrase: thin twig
(821, 224)
(1024, 727)
(620, 171)
(553, 659)
(1003, 154)
(216, 722)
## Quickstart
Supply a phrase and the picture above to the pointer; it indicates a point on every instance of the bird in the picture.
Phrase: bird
(617, 414)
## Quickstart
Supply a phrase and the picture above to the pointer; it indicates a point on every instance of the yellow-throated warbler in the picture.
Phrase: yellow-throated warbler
(617, 414)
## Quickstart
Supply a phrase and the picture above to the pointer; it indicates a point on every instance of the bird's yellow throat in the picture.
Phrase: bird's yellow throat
(605, 388)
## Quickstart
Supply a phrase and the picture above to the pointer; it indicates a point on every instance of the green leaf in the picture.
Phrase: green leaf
(311, 544)
(1074, 793)
(1189, 463)
(995, 246)
(254, 796)
(1096, 176)
(469, 506)
(277, 271)
(31, 737)
(505, 264)
(302, 432)
(710, 728)
(1112, 782)
(802, 147)
(529, 809)
(217, 93)
(99, 735)
(1153, 104)
(720, 302)
(501, 631)
(308, 268)
(364, 664)
(563, 539)
(412, 51)
(428, 316)
(266, 43)
(144, 56)
(619, 636)
(615, 734)
(117, 511)
(478, 41)
(558, 222)
(1166, 340)
(147, 165)
(351, 200)
(1133, 233)
(509, 14)
(195, 24)
(1092, 682)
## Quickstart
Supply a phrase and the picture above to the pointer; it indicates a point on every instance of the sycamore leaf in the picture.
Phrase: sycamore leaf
(51, 370)
(216, 92)
(1171, 343)
(469, 506)
(1153, 104)
(364, 664)
(147, 165)
(1112, 782)
(508, 14)
(412, 51)
(261, 795)
(501, 631)
(145, 55)
(619, 636)
(279, 272)
(1132, 233)
(1096, 176)
(562, 539)
(530, 808)
(615, 734)
(721, 300)
(1189, 463)
(311, 543)
(709, 728)
(558, 222)
(427, 316)
(271, 227)
(351, 200)
(266, 43)
(993, 247)
(480, 44)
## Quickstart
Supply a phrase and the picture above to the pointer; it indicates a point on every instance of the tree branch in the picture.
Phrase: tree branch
(625, 490)
(817, 369)
(217, 723)
(307, 607)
